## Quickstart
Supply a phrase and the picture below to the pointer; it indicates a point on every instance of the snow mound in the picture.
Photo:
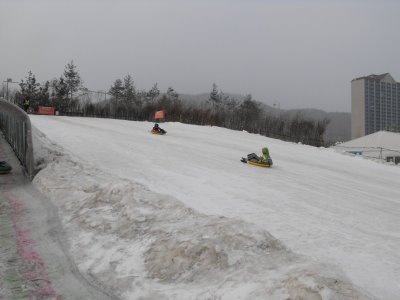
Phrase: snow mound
(147, 245)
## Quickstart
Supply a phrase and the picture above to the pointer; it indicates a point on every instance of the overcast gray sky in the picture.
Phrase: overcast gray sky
(300, 53)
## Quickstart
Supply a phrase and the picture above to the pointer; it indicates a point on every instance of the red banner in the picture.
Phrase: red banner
(159, 114)
(46, 110)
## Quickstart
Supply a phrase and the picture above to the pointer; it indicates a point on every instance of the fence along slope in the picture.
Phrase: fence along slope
(16, 127)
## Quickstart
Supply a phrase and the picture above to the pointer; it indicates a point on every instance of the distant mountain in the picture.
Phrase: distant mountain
(198, 98)
(339, 128)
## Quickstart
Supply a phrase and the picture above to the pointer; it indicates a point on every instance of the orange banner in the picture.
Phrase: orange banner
(46, 110)
(159, 114)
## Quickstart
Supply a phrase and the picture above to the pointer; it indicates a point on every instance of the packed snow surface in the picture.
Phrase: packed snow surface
(180, 217)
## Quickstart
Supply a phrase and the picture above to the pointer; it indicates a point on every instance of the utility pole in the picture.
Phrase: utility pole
(8, 80)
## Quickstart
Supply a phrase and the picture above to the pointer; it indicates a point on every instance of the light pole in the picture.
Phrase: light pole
(8, 80)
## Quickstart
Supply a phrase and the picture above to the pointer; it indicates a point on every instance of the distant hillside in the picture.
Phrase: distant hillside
(198, 98)
(337, 130)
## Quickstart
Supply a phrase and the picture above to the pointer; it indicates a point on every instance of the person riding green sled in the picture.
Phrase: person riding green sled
(264, 158)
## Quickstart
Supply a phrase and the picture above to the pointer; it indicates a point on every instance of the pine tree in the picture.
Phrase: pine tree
(171, 94)
(129, 91)
(60, 93)
(29, 87)
(215, 97)
(44, 94)
(61, 89)
(153, 93)
(117, 89)
(250, 112)
(72, 78)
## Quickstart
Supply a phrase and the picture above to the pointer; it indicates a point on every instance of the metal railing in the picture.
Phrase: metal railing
(16, 127)
(380, 153)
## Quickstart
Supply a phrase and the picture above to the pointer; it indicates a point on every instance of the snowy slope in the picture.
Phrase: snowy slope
(144, 212)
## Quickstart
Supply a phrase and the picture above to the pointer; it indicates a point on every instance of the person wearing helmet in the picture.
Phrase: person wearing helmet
(157, 128)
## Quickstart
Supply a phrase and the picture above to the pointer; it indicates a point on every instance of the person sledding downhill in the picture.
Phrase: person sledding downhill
(260, 161)
(158, 130)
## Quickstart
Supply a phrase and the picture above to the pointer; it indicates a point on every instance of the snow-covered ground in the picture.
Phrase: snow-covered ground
(180, 217)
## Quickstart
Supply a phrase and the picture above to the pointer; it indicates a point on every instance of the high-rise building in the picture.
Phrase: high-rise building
(375, 105)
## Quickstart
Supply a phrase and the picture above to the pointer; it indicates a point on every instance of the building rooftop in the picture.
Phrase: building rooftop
(382, 139)
(375, 77)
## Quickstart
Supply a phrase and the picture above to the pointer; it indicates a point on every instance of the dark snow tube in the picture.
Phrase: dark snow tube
(5, 167)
